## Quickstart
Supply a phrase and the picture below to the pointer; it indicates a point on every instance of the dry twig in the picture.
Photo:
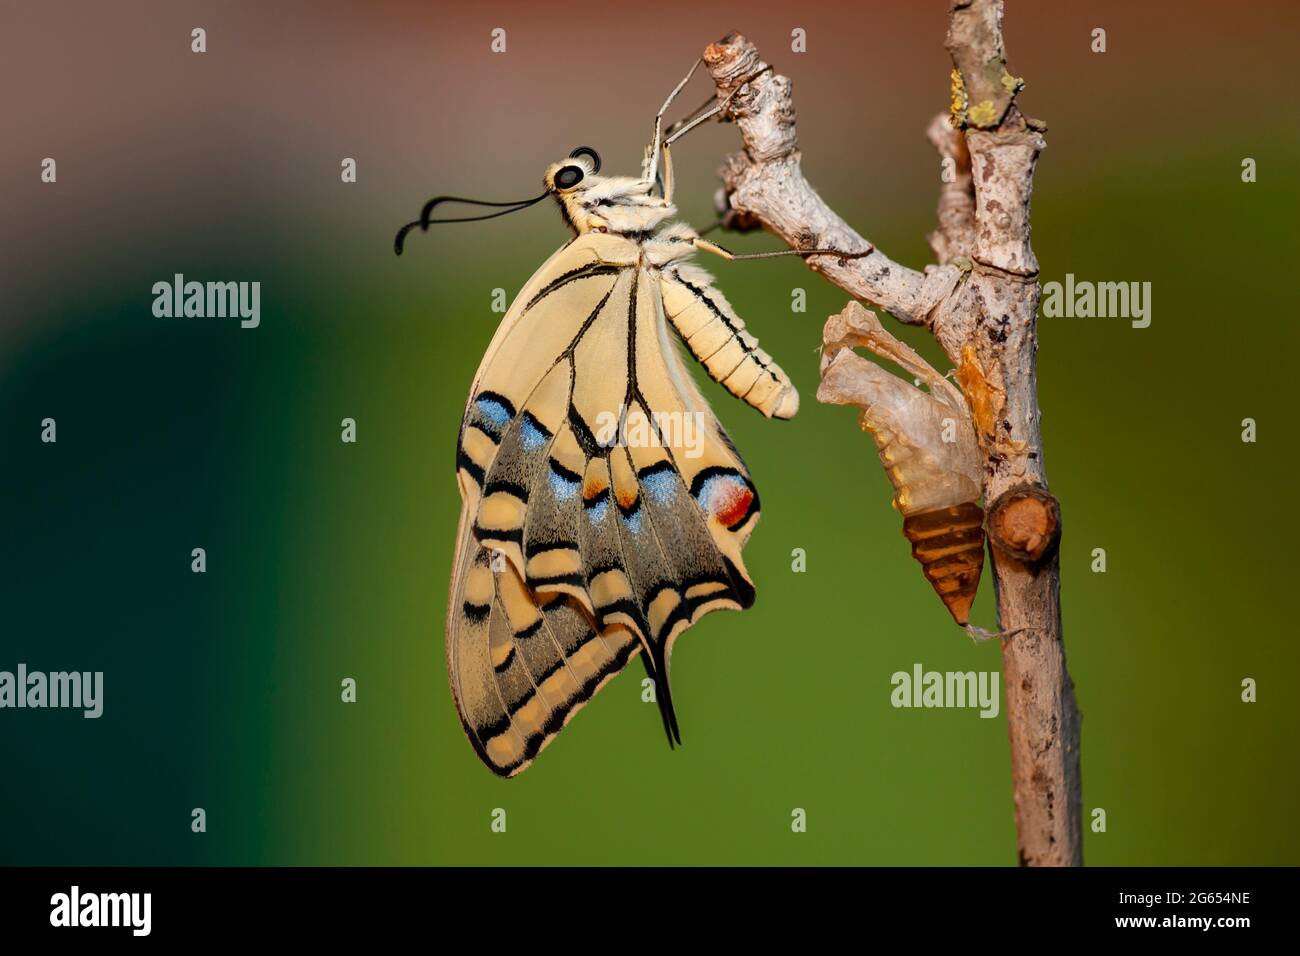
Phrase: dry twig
(980, 302)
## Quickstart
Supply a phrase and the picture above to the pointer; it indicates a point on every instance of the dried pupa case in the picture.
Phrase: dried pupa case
(927, 445)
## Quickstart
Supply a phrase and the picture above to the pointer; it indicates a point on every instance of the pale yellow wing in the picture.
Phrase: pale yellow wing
(581, 545)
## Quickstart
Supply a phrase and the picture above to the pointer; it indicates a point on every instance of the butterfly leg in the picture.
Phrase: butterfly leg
(657, 151)
(709, 108)
(686, 127)
(666, 175)
(652, 161)
(705, 246)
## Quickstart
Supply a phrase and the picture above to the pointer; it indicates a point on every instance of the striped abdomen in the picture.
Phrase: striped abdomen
(949, 543)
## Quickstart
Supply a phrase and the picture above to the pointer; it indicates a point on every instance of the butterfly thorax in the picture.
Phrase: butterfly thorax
(620, 205)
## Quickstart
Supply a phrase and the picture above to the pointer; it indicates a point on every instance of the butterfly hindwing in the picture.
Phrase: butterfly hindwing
(518, 684)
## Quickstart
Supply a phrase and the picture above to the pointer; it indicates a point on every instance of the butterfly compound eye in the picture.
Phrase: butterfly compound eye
(568, 176)
(591, 154)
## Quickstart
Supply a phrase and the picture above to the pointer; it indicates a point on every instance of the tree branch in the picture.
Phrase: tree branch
(981, 304)
(766, 182)
(955, 237)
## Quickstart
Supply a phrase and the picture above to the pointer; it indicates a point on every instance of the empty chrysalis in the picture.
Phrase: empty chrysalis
(927, 445)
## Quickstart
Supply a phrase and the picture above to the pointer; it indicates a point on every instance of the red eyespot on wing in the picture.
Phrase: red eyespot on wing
(734, 505)
(727, 497)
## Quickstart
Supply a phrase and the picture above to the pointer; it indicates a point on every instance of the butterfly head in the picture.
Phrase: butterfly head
(588, 201)
(577, 172)
(594, 203)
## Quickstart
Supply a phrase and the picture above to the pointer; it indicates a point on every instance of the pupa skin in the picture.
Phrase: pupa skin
(927, 445)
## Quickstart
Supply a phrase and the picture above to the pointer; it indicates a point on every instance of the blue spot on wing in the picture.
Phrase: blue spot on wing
(660, 485)
(706, 490)
(562, 487)
(533, 433)
(493, 410)
(715, 488)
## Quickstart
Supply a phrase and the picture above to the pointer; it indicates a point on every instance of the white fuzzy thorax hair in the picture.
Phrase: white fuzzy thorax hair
(624, 205)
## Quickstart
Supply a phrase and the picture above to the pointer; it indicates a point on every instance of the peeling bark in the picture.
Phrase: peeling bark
(980, 301)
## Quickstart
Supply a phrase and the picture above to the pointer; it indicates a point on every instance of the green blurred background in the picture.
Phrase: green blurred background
(328, 560)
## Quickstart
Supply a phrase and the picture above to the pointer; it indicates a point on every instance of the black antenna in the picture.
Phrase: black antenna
(425, 221)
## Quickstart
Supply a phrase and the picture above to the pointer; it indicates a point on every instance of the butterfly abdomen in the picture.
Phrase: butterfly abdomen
(718, 339)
